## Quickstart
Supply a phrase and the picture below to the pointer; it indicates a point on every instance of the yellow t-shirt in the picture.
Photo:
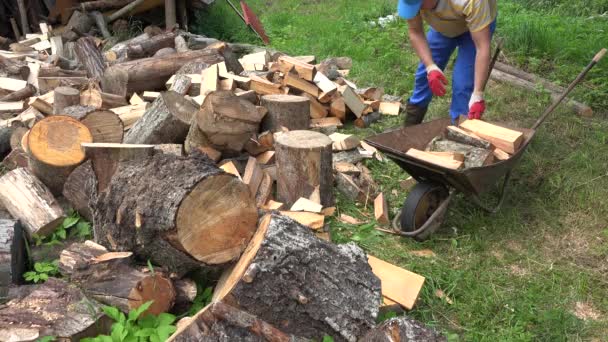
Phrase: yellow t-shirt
(455, 17)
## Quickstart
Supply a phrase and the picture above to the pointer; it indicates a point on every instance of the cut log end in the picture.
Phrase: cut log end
(154, 288)
(56, 141)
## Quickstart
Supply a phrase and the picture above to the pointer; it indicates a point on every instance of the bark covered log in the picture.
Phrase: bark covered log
(12, 255)
(402, 329)
(148, 47)
(100, 100)
(29, 201)
(112, 279)
(79, 22)
(204, 216)
(221, 322)
(304, 167)
(65, 97)
(80, 189)
(118, 52)
(473, 156)
(51, 309)
(22, 94)
(90, 56)
(287, 276)
(289, 111)
(151, 73)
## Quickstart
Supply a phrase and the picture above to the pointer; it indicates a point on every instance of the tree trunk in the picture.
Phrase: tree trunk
(149, 47)
(65, 97)
(100, 100)
(79, 22)
(12, 255)
(111, 279)
(105, 126)
(221, 322)
(228, 121)
(118, 52)
(151, 73)
(23, 17)
(170, 17)
(304, 165)
(203, 216)
(29, 201)
(100, 21)
(404, 329)
(54, 147)
(166, 121)
(270, 281)
(51, 309)
(27, 91)
(90, 57)
(80, 189)
(289, 111)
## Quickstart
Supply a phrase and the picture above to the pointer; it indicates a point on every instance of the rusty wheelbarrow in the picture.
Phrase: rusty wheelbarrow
(425, 207)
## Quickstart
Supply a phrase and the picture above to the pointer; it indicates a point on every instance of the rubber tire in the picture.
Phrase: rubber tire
(412, 201)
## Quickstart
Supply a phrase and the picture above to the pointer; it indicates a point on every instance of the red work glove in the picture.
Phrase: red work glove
(477, 106)
(437, 80)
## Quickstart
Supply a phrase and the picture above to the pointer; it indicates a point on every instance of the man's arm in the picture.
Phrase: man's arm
(418, 40)
(482, 40)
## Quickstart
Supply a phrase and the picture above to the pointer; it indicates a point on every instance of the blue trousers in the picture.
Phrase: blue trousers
(463, 78)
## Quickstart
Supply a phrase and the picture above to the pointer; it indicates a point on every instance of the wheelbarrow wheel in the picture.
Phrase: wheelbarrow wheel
(420, 204)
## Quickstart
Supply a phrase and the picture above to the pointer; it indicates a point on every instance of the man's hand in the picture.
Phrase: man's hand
(477, 106)
(437, 80)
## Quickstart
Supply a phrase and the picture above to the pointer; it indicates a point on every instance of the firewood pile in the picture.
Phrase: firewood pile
(193, 155)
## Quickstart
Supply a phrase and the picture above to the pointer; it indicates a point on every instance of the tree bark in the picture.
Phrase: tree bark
(112, 279)
(304, 165)
(166, 121)
(151, 73)
(54, 147)
(473, 156)
(100, 21)
(27, 91)
(170, 17)
(204, 216)
(29, 201)
(221, 322)
(90, 57)
(404, 329)
(289, 111)
(51, 309)
(102, 4)
(12, 255)
(16, 158)
(180, 44)
(65, 97)
(149, 47)
(118, 52)
(80, 189)
(79, 22)
(13, 67)
(269, 281)
(105, 126)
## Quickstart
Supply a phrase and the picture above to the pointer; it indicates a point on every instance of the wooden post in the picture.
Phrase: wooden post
(281, 253)
(29, 201)
(289, 111)
(304, 165)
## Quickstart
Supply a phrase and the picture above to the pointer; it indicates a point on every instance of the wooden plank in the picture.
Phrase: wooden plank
(304, 70)
(57, 46)
(304, 204)
(265, 158)
(12, 84)
(381, 209)
(451, 155)
(398, 284)
(390, 108)
(325, 122)
(209, 80)
(42, 45)
(326, 86)
(228, 84)
(346, 168)
(506, 139)
(344, 142)
(354, 102)
(500, 154)
(313, 220)
(229, 167)
(135, 99)
(273, 205)
(296, 82)
(11, 107)
(448, 163)
(253, 175)
(317, 110)
(264, 87)
(255, 61)
(150, 96)
(194, 79)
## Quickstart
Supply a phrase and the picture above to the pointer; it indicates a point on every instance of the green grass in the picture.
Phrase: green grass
(516, 275)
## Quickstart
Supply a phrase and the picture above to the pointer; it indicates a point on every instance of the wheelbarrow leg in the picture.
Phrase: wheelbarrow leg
(503, 188)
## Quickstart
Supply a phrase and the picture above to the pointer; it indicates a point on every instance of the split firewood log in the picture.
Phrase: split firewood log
(105, 126)
(112, 279)
(204, 216)
(149, 46)
(287, 275)
(93, 96)
(221, 322)
(80, 189)
(118, 52)
(473, 156)
(402, 328)
(54, 308)
(90, 57)
(13, 255)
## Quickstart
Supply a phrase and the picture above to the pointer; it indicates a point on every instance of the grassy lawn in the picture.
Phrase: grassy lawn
(537, 270)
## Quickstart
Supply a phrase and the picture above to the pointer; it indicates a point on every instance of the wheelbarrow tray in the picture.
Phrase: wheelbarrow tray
(473, 181)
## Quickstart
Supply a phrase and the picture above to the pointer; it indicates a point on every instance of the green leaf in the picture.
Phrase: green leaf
(83, 229)
(61, 233)
(146, 332)
(328, 338)
(155, 338)
(46, 339)
(111, 312)
(69, 221)
(151, 267)
(148, 321)
(117, 332)
(165, 331)
(44, 276)
(135, 313)
(165, 319)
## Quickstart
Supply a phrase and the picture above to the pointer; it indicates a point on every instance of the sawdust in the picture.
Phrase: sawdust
(585, 311)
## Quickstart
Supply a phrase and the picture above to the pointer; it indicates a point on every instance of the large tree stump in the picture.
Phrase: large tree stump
(90, 57)
(65, 97)
(54, 148)
(51, 309)
(148, 47)
(203, 216)
(166, 121)
(221, 322)
(12, 255)
(80, 189)
(402, 329)
(112, 279)
(105, 126)
(29, 201)
(304, 166)
(226, 121)
(289, 111)
(151, 73)
(303, 285)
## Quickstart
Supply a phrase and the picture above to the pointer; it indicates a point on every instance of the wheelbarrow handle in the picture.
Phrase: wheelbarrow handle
(574, 83)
